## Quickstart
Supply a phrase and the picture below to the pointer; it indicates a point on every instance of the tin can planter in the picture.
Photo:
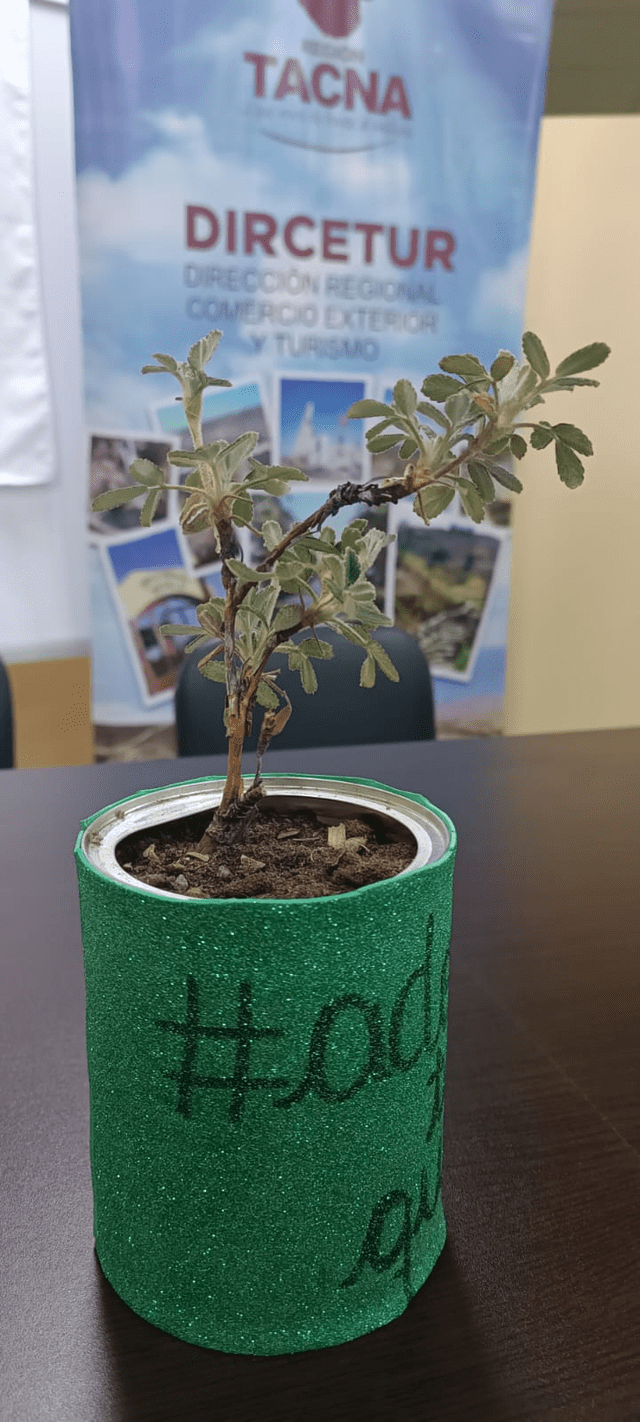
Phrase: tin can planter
(266, 1082)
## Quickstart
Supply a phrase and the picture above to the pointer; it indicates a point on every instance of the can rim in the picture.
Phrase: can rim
(101, 835)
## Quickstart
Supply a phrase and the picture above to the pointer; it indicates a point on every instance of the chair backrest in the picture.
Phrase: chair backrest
(6, 722)
(341, 712)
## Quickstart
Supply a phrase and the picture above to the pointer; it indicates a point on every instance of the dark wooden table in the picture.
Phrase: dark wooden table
(533, 1310)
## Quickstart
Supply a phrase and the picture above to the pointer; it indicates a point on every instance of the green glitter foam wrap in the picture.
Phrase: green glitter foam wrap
(266, 1082)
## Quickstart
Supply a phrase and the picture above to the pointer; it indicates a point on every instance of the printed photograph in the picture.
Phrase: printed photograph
(213, 583)
(443, 581)
(315, 433)
(226, 414)
(499, 513)
(203, 549)
(110, 460)
(151, 586)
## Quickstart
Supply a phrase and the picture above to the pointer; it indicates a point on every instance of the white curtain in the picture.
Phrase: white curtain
(27, 454)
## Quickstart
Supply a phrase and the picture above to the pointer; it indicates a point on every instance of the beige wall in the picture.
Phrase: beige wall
(574, 637)
(51, 712)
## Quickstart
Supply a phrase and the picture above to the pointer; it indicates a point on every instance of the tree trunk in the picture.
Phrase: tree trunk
(234, 786)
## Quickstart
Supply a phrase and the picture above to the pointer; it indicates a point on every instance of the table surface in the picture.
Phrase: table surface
(533, 1310)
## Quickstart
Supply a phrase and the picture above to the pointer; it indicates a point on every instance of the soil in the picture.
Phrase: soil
(275, 855)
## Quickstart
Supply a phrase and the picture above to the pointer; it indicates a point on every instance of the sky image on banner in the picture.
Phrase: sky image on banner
(344, 187)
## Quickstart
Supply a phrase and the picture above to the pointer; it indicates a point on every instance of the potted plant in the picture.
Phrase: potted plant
(266, 1054)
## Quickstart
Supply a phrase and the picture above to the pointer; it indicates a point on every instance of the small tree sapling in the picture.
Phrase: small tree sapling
(452, 437)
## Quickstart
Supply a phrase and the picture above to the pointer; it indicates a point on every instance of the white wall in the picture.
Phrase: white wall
(574, 637)
(43, 588)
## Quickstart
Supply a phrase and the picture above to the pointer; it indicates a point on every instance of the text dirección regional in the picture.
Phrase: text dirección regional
(325, 239)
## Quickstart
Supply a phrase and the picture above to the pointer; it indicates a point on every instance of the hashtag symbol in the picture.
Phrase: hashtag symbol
(244, 1034)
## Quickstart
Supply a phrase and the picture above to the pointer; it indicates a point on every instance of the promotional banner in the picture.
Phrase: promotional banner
(344, 187)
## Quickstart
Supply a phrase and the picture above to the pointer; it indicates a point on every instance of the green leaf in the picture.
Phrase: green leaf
(584, 359)
(149, 507)
(287, 616)
(261, 603)
(432, 413)
(440, 387)
(231, 457)
(290, 474)
(166, 362)
(204, 454)
(195, 642)
(568, 382)
(359, 639)
(518, 446)
(154, 370)
(367, 409)
(541, 436)
(384, 661)
(266, 696)
(368, 671)
(502, 365)
(180, 629)
(195, 514)
(468, 366)
(497, 445)
(570, 468)
(244, 573)
(506, 478)
(380, 443)
(524, 387)
(313, 647)
(292, 582)
(213, 671)
(536, 354)
(352, 533)
(432, 501)
(405, 397)
(202, 350)
(577, 439)
(271, 477)
(242, 511)
(307, 676)
(480, 476)
(458, 408)
(380, 427)
(147, 473)
(115, 497)
(182, 458)
(486, 403)
(353, 569)
(407, 449)
(211, 615)
(271, 533)
(471, 500)
(208, 453)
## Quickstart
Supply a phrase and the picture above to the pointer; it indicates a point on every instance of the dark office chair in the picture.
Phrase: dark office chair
(6, 722)
(341, 712)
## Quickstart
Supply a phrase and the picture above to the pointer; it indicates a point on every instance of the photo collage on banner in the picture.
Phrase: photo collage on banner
(348, 199)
